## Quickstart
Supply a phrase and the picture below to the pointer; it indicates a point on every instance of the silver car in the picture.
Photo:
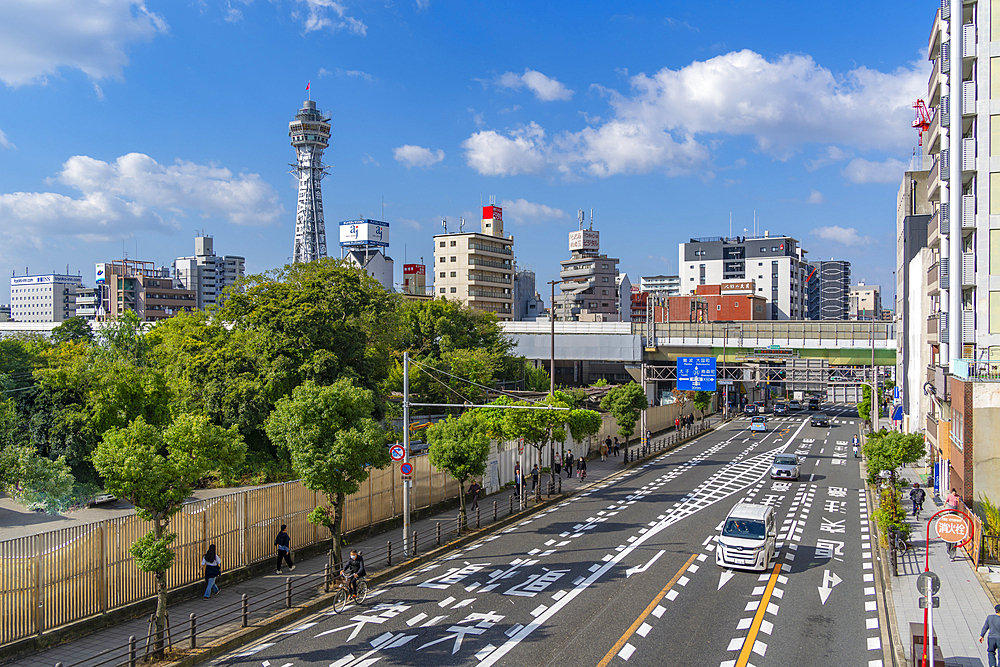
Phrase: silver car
(785, 466)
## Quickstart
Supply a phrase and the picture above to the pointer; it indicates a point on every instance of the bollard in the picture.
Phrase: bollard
(388, 552)
(194, 640)
(288, 593)
(326, 578)
(892, 550)
(245, 606)
(131, 651)
(494, 510)
(477, 516)
(414, 543)
(438, 529)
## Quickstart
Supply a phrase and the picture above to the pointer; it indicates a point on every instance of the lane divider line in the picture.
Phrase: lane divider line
(758, 618)
(646, 612)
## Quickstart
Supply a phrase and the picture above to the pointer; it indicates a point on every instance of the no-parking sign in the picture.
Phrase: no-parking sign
(397, 453)
(406, 469)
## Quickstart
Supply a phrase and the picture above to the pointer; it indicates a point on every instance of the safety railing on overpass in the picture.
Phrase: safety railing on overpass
(838, 331)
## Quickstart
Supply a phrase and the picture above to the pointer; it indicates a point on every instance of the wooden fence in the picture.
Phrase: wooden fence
(62, 576)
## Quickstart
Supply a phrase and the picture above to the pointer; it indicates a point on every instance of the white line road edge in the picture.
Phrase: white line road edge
(508, 645)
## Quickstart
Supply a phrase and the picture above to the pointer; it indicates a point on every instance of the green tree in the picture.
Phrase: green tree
(889, 450)
(155, 470)
(703, 401)
(33, 480)
(536, 379)
(73, 330)
(461, 446)
(334, 443)
(625, 402)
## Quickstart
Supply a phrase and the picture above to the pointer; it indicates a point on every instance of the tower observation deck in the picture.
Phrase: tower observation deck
(310, 134)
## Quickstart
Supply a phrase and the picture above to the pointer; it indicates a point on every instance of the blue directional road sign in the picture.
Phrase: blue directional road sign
(897, 413)
(696, 373)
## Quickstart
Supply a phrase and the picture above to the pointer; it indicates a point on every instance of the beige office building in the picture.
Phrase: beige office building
(476, 268)
(149, 292)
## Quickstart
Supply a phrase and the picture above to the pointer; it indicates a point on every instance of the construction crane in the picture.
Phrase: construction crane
(923, 119)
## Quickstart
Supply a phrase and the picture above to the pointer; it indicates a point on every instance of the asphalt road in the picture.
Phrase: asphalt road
(625, 574)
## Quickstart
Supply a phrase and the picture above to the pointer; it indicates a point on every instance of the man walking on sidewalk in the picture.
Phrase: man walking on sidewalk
(282, 541)
(917, 496)
(992, 625)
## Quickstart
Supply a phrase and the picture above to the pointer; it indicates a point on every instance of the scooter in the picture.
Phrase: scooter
(855, 451)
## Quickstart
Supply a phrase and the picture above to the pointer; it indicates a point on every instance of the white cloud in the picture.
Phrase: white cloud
(423, 4)
(39, 38)
(521, 210)
(831, 155)
(815, 197)
(331, 15)
(845, 236)
(5, 142)
(417, 156)
(233, 14)
(368, 159)
(408, 222)
(545, 88)
(136, 193)
(674, 119)
(522, 151)
(860, 170)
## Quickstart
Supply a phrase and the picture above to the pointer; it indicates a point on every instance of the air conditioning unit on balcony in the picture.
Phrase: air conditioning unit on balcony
(968, 98)
(968, 211)
(968, 153)
(969, 40)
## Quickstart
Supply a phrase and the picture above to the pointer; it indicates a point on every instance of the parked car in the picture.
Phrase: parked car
(819, 419)
(785, 466)
(780, 409)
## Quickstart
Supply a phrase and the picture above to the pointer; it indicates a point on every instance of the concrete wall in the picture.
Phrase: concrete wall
(986, 447)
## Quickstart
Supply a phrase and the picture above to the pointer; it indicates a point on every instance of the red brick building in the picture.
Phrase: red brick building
(732, 301)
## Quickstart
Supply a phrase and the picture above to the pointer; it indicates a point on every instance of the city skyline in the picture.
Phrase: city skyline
(169, 134)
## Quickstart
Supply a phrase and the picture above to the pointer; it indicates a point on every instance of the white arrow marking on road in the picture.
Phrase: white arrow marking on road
(829, 581)
(725, 577)
(636, 570)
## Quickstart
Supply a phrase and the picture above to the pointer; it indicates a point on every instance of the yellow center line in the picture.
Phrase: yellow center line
(642, 617)
(758, 618)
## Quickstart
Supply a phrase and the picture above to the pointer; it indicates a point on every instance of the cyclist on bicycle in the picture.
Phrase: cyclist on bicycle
(353, 570)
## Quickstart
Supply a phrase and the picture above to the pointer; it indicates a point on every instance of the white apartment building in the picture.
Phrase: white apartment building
(476, 268)
(776, 264)
(207, 273)
(48, 298)
(667, 285)
(865, 302)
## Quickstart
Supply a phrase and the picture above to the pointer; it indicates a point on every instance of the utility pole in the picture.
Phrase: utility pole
(552, 341)
(874, 404)
(406, 452)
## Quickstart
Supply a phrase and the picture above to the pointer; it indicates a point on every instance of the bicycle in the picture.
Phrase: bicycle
(343, 593)
(899, 544)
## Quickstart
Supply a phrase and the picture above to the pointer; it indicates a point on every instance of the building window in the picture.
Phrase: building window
(604, 292)
(442, 274)
(454, 274)
(604, 266)
(454, 289)
(454, 258)
(442, 244)
(763, 249)
(442, 290)
(453, 244)
(604, 279)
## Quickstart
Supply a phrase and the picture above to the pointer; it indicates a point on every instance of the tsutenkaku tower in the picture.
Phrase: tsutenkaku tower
(310, 133)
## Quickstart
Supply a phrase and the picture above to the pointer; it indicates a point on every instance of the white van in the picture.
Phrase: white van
(747, 537)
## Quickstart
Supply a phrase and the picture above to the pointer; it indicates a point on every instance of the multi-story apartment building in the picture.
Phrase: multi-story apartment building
(589, 290)
(4, 312)
(667, 285)
(865, 302)
(962, 331)
(48, 298)
(828, 290)
(151, 293)
(525, 305)
(207, 273)
(477, 268)
(776, 264)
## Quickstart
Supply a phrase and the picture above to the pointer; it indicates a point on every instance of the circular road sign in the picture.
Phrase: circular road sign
(397, 452)
(406, 469)
(922, 583)
(952, 528)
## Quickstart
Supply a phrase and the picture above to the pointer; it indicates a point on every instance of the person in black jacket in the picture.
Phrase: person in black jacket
(284, 552)
(353, 569)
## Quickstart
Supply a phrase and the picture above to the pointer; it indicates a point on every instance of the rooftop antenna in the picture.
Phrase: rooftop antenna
(591, 219)
(383, 208)
(581, 216)
(461, 225)
(493, 200)
(730, 224)
(444, 223)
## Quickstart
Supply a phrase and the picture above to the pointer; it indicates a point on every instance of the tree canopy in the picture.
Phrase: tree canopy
(889, 450)
(625, 402)
(460, 446)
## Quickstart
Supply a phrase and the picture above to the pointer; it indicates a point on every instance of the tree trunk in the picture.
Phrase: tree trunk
(338, 520)
(159, 528)
(461, 504)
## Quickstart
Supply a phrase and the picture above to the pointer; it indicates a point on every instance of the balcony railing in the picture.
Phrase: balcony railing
(491, 247)
(976, 370)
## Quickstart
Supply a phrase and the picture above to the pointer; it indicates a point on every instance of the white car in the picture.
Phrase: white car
(794, 405)
(747, 537)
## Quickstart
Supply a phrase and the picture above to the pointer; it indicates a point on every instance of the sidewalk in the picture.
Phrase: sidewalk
(964, 602)
(82, 651)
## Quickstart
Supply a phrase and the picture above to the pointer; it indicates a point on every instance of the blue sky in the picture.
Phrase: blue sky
(131, 125)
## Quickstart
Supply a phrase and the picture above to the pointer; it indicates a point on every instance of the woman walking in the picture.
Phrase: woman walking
(581, 468)
(212, 565)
